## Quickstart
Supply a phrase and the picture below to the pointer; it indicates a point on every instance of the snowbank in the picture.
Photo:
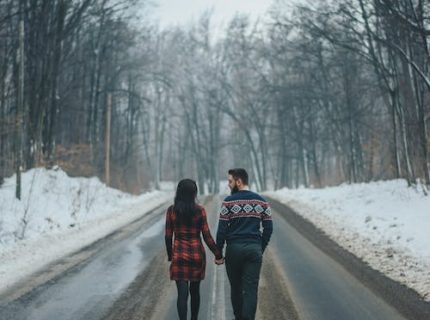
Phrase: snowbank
(386, 223)
(57, 216)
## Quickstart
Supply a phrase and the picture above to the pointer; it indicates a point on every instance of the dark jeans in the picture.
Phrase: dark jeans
(243, 263)
(183, 288)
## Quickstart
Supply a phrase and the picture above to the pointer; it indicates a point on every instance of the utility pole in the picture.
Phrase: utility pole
(107, 138)
(20, 105)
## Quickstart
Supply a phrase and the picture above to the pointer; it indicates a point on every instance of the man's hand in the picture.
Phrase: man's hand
(219, 261)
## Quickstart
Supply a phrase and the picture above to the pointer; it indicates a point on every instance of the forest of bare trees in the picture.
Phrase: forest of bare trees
(318, 94)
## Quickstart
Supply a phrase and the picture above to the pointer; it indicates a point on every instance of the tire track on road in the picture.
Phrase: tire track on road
(274, 298)
(146, 296)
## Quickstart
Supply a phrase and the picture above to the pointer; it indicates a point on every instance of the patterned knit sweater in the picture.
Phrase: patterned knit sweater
(241, 217)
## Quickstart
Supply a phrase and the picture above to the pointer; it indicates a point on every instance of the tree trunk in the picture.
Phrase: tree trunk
(20, 107)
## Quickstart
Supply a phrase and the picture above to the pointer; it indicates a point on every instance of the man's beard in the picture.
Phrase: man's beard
(234, 190)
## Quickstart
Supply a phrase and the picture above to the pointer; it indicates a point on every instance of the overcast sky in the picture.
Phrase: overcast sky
(181, 11)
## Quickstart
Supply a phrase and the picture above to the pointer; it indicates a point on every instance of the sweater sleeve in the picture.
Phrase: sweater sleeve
(168, 236)
(223, 222)
(267, 226)
(208, 237)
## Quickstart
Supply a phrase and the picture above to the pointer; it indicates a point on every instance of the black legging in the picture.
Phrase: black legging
(194, 288)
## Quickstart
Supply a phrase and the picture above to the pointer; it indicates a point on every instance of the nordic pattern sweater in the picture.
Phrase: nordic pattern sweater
(241, 217)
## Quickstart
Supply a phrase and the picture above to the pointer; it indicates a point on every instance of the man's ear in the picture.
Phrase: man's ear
(239, 182)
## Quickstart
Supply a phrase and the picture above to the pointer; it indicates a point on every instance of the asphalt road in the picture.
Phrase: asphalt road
(89, 288)
(153, 296)
(126, 277)
(320, 287)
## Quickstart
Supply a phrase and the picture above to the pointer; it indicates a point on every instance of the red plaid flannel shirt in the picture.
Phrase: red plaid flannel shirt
(186, 251)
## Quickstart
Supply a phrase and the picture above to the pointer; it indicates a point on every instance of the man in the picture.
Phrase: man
(242, 213)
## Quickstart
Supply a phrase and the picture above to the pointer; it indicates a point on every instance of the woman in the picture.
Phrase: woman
(185, 219)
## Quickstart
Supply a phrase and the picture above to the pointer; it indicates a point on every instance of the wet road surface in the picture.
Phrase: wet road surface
(88, 290)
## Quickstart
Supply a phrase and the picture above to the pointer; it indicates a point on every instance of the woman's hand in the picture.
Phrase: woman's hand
(219, 261)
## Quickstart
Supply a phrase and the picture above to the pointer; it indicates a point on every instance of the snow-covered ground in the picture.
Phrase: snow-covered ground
(57, 216)
(385, 223)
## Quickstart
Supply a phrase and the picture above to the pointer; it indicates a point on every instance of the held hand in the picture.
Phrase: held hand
(219, 261)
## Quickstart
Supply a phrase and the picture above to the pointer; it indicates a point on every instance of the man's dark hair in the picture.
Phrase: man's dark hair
(239, 173)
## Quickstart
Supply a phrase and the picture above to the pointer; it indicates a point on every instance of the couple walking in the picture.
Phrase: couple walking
(241, 216)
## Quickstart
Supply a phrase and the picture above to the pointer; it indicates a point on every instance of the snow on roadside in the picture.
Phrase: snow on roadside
(385, 223)
(62, 215)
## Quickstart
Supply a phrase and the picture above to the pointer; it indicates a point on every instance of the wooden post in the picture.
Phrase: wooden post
(20, 107)
(107, 138)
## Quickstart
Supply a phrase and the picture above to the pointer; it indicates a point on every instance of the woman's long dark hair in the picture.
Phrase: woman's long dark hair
(185, 201)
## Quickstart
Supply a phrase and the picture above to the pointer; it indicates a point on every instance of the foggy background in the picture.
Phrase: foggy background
(317, 93)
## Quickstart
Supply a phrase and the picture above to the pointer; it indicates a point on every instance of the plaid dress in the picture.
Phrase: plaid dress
(187, 253)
